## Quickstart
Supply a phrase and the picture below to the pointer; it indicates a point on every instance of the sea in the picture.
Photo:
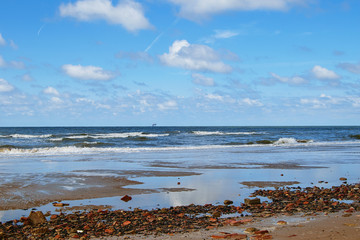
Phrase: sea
(213, 162)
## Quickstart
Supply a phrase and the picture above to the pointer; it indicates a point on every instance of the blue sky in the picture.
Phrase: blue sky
(179, 62)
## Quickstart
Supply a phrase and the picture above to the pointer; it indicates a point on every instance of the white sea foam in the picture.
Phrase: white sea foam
(87, 150)
(285, 141)
(27, 136)
(206, 133)
(291, 141)
(70, 150)
(112, 135)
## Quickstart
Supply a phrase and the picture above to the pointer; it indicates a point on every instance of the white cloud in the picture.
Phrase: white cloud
(56, 100)
(87, 72)
(221, 34)
(2, 40)
(323, 101)
(323, 73)
(11, 64)
(251, 102)
(127, 13)
(5, 86)
(198, 9)
(296, 80)
(214, 97)
(354, 68)
(169, 105)
(202, 80)
(194, 57)
(51, 91)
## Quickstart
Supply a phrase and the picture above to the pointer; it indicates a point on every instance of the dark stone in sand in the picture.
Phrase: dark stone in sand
(126, 198)
(36, 218)
(252, 201)
(228, 202)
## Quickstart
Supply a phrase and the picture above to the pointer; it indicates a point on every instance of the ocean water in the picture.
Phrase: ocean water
(183, 165)
(82, 140)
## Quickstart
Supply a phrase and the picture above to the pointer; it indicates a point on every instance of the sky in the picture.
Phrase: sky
(179, 62)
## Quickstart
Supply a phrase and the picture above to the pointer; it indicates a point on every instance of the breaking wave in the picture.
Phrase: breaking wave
(26, 136)
(98, 148)
(207, 133)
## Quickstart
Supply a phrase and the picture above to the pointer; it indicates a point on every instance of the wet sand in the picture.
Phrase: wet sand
(26, 193)
(35, 190)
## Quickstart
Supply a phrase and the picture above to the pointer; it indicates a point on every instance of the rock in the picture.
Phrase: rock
(252, 201)
(228, 202)
(56, 204)
(36, 218)
(281, 222)
(216, 214)
(126, 198)
(343, 179)
(251, 230)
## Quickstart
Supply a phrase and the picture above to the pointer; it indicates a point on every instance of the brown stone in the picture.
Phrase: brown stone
(252, 201)
(36, 218)
(126, 198)
(228, 202)
(56, 204)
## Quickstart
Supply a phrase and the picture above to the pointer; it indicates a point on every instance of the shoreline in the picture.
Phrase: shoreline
(292, 202)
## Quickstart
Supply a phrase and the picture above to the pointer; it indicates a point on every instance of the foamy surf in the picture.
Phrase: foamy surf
(206, 133)
(83, 150)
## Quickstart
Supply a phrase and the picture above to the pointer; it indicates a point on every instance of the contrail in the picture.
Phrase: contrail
(41, 29)
(154, 41)
(160, 35)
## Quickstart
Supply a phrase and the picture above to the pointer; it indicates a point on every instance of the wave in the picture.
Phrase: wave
(110, 135)
(26, 136)
(206, 133)
(94, 148)
(289, 141)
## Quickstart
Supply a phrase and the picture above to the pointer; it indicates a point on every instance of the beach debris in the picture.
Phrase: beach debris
(343, 179)
(228, 202)
(126, 198)
(281, 222)
(36, 218)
